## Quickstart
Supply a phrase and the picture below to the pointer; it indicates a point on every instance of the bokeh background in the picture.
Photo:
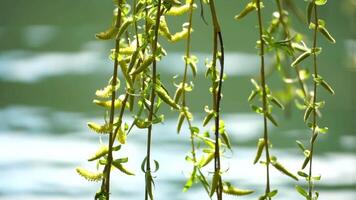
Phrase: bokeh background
(51, 65)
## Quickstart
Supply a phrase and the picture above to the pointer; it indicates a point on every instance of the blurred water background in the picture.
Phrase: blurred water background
(51, 65)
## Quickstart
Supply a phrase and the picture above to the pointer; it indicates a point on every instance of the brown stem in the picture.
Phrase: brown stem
(314, 133)
(153, 95)
(264, 97)
(217, 94)
(106, 180)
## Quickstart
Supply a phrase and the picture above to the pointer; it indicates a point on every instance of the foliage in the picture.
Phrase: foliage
(138, 29)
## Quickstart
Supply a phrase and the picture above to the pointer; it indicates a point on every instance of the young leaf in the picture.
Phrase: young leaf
(306, 161)
(180, 121)
(208, 118)
(119, 166)
(121, 136)
(272, 193)
(302, 57)
(302, 174)
(214, 183)
(144, 65)
(206, 160)
(190, 181)
(310, 11)
(282, 169)
(308, 112)
(260, 146)
(300, 145)
(327, 87)
(326, 34)
(248, 8)
(270, 117)
(252, 95)
(162, 93)
(301, 191)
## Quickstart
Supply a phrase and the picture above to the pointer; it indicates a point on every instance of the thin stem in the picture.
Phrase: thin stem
(264, 97)
(153, 95)
(314, 133)
(217, 94)
(187, 56)
(106, 180)
(287, 36)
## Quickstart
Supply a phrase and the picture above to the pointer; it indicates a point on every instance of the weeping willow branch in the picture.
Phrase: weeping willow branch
(314, 133)
(187, 56)
(148, 181)
(264, 97)
(105, 188)
(217, 93)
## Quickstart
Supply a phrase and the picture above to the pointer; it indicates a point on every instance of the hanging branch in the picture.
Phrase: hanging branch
(313, 106)
(148, 178)
(217, 98)
(105, 188)
(264, 98)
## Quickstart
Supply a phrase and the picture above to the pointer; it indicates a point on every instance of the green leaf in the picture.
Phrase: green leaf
(180, 121)
(272, 193)
(190, 181)
(215, 183)
(326, 34)
(306, 161)
(270, 117)
(327, 87)
(144, 65)
(208, 118)
(300, 145)
(257, 109)
(206, 159)
(248, 9)
(301, 191)
(302, 57)
(226, 139)
(162, 93)
(119, 166)
(277, 102)
(252, 95)
(156, 165)
(124, 27)
(283, 170)
(260, 146)
(302, 174)
(307, 112)
(310, 11)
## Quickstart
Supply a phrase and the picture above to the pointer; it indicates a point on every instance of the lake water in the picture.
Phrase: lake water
(51, 65)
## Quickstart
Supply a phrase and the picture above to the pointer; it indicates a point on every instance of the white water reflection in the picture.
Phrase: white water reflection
(41, 166)
(24, 66)
(39, 35)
